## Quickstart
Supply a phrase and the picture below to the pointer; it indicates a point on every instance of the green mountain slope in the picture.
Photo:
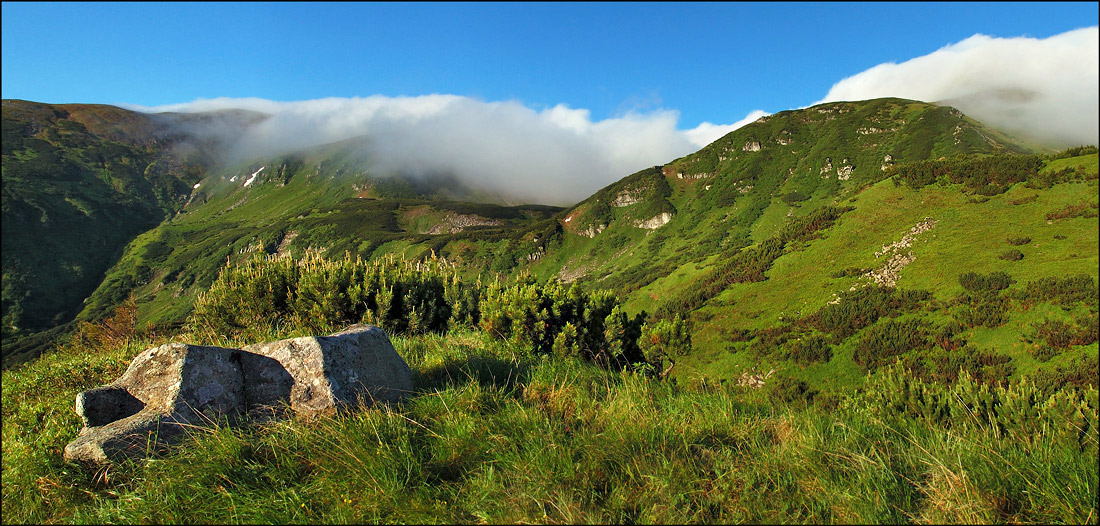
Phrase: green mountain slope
(737, 237)
(743, 187)
(78, 183)
(320, 200)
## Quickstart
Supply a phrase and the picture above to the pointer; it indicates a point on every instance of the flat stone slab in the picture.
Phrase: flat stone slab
(173, 387)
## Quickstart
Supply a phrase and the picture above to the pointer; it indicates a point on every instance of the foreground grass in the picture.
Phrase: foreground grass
(492, 436)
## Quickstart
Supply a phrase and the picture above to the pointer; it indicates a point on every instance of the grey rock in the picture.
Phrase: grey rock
(170, 389)
(331, 372)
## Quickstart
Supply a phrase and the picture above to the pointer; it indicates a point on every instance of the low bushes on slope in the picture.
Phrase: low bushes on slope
(318, 295)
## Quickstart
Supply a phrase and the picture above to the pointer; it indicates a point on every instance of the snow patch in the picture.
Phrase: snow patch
(254, 174)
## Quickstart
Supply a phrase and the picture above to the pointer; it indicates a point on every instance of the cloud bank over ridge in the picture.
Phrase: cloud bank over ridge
(1043, 89)
(557, 155)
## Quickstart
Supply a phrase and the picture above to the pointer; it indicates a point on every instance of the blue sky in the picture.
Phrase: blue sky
(550, 101)
(711, 61)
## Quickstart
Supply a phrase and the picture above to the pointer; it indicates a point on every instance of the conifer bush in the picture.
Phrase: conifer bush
(862, 307)
(665, 341)
(991, 282)
(1066, 291)
(885, 340)
(317, 295)
(810, 349)
(1019, 410)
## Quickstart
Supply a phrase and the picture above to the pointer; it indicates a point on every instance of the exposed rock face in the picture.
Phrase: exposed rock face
(176, 386)
(751, 146)
(627, 197)
(593, 230)
(455, 223)
(844, 172)
(654, 222)
(887, 162)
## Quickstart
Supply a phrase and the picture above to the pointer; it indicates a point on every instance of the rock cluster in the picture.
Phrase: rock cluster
(628, 197)
(170, 389)
(593, 230)
(454, 223)
(887, 276)
(754, 380)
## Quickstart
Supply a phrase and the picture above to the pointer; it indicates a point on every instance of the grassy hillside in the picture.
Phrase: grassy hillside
(970, 234)
(75, 190)
(80, 181)
(320, 201)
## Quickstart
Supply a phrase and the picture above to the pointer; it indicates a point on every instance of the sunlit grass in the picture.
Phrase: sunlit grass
(495, 436)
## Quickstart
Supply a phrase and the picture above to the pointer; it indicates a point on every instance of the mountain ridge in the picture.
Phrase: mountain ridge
(644, 231)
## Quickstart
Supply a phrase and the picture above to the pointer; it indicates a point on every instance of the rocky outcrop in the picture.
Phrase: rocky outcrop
(754, 380)
(898, 255)
(751, 146)
(702, 175)
(655, 222)
(887, 162)
(454, 223)
(170, 389)
(628, 197)
(593, 230)
(844, 172)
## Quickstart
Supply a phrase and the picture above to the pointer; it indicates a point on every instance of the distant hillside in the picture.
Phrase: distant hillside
(672, 237)
(79, 182)
(319, 200)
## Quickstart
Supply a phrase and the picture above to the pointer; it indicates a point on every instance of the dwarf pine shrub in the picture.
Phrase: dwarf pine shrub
(991, 282)
(316, 294)
(1019, 410)
(881, 342)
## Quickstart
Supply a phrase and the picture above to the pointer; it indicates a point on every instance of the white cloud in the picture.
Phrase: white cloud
(557, 155)
(1046, 89)
(707, 133)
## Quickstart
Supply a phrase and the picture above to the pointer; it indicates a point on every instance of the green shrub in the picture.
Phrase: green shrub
(792, 198)
(945, 366)
(1061, 335)
(984, 310)
(1017, 241)
(884, 341)
(665, 341)
(1066, 292)
(1080, 373)
(1011, 255)
(862, 307)
(536, 316)
(810, 349)
(1082, 209)
(945, 337)
(986, 175)
(849, 272)
(1018, 410)
(790, 391)
(992, 282)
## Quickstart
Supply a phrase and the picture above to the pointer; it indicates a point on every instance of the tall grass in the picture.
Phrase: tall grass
(496, 434)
